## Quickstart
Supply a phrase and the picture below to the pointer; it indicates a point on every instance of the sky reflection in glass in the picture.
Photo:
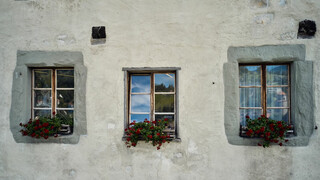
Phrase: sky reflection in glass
(164, 82)
(140, 84)
(139, 117)
(140, 103)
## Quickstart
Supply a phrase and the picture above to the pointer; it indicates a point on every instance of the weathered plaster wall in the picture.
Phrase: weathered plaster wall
(194, 35)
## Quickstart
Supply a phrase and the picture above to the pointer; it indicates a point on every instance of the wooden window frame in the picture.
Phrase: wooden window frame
(264, 89)
(152, 94)
(54, 88)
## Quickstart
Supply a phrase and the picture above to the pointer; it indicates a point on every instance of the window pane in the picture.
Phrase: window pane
(68, 114)
(42, 99)
(278, 114)
(65, 78)
(164, 82)
(250, 97)
(140, 103)
(277, 97)
(170, 125)
(252, 113)
(42, 78)
(139, 117)
(140, 84)
(277, 75)
(250, 75)
(42, 113)
(65, 98)
(164, 103)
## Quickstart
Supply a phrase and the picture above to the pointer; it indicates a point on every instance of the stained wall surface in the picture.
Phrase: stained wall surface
(194, 35)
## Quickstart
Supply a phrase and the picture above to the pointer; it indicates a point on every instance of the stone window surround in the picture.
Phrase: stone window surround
(21, 92)
(128, 70)
(302, 100)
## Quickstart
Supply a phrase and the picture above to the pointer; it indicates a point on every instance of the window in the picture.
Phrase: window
(282, 97)
(264, 89)
(152, 94)
(52, 91)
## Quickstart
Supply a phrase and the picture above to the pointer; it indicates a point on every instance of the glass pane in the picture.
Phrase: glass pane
(170, 125)
(277, 75)
(42, 113)
(65, 78)
(277, 97)
(66, 113)
(42, 78)
(42, 99)
(278, 114)
(65, 98)
(140, 103)
(164, 103)
(252, 113)
(250, 75)
(250, 97)
(164, 82)
(139, 117)
(140, 84)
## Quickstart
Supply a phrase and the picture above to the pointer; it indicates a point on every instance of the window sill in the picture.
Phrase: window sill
(124, 138)
(63, 139)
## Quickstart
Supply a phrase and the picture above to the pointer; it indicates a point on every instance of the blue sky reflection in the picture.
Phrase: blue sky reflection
(140, 103)
(140, 84)
(139, 117)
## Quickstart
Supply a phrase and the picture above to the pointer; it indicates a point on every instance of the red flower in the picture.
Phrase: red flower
(134, 144)
(263, 116)
(280, 144)
(53, 113)
(138, 131)
(151, 127)
(247, 117)
(128, 139)
(150, 136)
(56, 135)
(45, 124)
(46, 131)
(249, 132)
(52, 127)
(165, 119)
(158, 147)
(20, 124)
(158, 134)
(126, 130)
(46, 137)
(37, 122)
(259, 144)
(35, 128)
(286, 140)
(33, 134)
(154, 122)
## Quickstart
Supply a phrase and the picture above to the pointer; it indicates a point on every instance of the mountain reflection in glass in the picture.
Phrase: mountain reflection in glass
(140, 84)
(164, 103)
(250, 75)
(65, 78)
(277, 75)
(42, 78)
(164, 82)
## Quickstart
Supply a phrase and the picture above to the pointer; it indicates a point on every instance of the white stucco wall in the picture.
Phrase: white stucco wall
(190, 34)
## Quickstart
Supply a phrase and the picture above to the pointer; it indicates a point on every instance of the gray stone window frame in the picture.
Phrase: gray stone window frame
(302, 99)
(127, 71)
(21, 92)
